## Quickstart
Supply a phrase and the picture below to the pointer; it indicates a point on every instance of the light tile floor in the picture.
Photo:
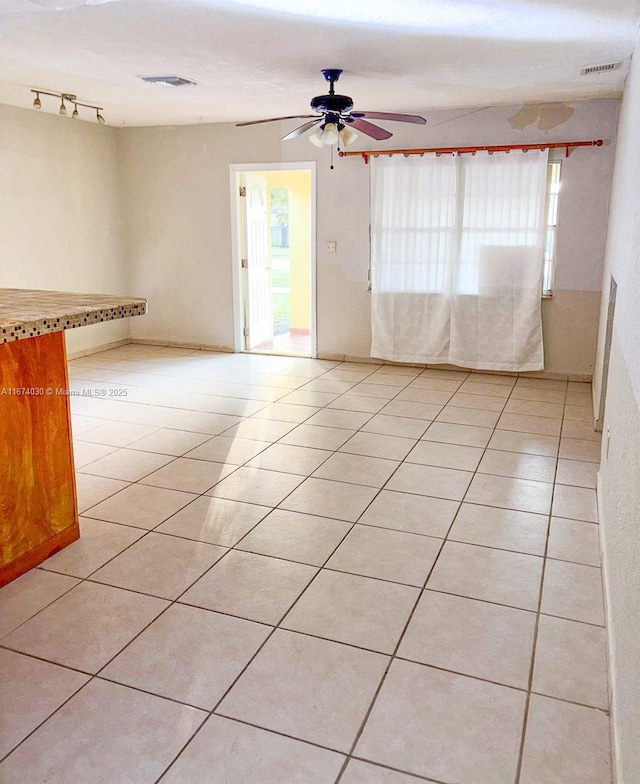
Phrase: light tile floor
(289, 342)
(295, 571)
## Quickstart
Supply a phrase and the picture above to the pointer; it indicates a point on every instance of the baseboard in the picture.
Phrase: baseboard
(337, 357)
(552, 375)
(370, 360)
(182, 344)
(615, 747)
(333, 357)
(330, 357)
(85, 352)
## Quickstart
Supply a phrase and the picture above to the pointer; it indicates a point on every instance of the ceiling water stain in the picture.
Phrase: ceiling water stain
(545, 115)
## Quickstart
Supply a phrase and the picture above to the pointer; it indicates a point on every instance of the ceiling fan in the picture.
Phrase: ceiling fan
(335, 119)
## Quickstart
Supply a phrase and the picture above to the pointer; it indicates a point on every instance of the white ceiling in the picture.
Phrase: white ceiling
(262, 58)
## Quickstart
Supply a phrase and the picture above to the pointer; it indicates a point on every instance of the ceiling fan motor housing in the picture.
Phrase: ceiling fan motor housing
(338, 104)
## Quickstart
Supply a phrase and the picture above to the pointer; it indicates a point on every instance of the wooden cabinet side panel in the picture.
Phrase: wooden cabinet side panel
(37, 483)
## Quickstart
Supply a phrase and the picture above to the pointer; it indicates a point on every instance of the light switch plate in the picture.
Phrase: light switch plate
(332, 246)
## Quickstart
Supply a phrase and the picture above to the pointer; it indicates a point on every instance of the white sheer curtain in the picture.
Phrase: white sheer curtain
(457, 249)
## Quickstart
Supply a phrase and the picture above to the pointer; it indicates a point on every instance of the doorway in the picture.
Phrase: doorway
(273, 214)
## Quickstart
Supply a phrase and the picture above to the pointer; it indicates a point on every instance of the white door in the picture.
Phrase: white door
(258, 300)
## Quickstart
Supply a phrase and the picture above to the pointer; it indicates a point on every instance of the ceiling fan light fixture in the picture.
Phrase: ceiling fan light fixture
(347, 136)
(330, 135)
(316, 138)
(334, 124)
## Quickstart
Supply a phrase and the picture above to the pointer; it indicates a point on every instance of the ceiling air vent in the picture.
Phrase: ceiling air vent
(592, 69)
(168, 81)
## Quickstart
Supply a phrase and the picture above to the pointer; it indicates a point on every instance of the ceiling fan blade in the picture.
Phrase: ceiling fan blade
(275, 119)
(408, 118)
(301, 129)
(375, 131)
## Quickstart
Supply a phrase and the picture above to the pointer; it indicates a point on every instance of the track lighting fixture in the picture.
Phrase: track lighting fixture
(62, 111)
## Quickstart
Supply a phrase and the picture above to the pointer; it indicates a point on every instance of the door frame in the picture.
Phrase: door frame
(236, 169)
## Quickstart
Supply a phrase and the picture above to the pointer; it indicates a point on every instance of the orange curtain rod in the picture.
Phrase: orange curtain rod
(566, 146)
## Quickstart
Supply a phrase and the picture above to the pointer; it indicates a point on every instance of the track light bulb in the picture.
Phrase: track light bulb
(37, 104)
(75, 114)
(63, 109)
(99, 117)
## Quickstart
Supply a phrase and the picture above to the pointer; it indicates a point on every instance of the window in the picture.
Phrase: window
(458, 249)
(552, 226)
(451, 214)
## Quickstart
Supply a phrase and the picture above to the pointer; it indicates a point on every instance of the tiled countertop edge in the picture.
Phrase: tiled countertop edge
(18, 330)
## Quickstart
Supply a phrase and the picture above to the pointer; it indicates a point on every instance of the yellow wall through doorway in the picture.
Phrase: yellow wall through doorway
(298, 184)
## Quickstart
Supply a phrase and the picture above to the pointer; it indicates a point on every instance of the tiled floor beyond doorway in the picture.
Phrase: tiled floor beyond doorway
(296, 342)
(303, 572)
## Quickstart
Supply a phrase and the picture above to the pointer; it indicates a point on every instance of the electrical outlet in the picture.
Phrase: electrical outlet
(332, 246)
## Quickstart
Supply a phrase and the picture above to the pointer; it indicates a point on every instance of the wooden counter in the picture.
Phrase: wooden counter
(38, 507)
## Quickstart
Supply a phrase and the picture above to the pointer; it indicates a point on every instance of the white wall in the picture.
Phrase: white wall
(60, 212)
(176, 197)
(619, 481)
(68, 186)
(570, 318)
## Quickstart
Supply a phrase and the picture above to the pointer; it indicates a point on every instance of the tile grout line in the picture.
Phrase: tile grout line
(380, 685)
(402, 635)
(275, 628)
(525, 718)
(93, 675)
(99, 675)
(88, 580)
(147, 531)
(269, 636)
(338, 545)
